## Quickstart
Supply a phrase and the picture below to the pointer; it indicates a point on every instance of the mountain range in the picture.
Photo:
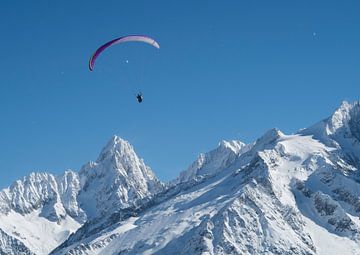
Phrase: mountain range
(281, 194)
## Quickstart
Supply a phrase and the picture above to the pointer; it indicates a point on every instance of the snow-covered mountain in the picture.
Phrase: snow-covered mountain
(282, 194)
(115, 180)
(40, 211)
(210, 163)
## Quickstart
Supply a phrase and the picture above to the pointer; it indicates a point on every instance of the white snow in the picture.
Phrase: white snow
(37, 233)
(330, 244)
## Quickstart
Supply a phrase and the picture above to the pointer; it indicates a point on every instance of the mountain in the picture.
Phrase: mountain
(282, 194)
(40, 211)
(115, 180)
(341, 131)
(214, 161)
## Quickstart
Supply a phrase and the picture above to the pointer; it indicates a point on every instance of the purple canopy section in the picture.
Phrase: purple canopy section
(129, 38)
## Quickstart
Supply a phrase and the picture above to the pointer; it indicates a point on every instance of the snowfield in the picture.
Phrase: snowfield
(282, 194)
(47, 235)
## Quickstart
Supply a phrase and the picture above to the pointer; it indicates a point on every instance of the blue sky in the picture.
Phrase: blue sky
(225, 70)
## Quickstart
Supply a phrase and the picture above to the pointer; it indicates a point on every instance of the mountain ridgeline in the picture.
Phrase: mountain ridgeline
(281, 194)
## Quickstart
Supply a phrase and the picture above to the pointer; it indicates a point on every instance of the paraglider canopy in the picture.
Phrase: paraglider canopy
(129, 38)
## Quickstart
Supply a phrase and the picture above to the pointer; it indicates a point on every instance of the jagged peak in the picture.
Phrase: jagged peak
(117, 179)
(69, 172)
(233, 145)
(33, 177)
(343, 123)
(68, 176)
(339, 117)
(269, 137)
(116, 146)
(343, 116)
(213, 161)
(118, 155)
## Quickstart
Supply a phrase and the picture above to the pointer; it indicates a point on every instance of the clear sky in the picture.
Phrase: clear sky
(225, 70)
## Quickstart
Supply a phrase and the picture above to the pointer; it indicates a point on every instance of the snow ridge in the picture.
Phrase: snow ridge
(210, 163)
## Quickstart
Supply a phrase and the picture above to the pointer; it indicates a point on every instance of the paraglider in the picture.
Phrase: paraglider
(129, 38)
(139, 97)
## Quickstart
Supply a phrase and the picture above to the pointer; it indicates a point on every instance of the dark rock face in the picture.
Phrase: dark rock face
(12, 246)
(354, 122)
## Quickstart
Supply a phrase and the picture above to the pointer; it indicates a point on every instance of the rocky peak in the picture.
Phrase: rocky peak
(116, 179)
(213, 161)
(269, 137)
(119, 148)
